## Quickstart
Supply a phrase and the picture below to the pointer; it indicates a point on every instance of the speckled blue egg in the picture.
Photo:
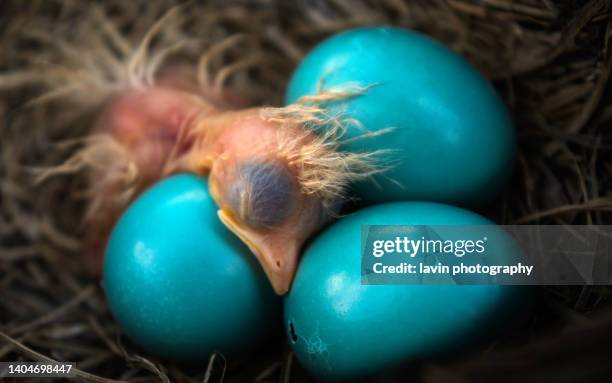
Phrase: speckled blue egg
(178, 282)
(453, 140)
(341, 329)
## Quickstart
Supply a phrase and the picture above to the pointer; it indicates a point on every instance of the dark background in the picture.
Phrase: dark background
(549, 60)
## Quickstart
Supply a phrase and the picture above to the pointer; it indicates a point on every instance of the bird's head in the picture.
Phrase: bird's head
(256, 176)
(276, 179)
(262, 202)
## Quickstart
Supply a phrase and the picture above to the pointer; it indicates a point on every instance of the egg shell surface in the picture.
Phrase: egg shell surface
(178, 282)
(341, 329)
(452, 139)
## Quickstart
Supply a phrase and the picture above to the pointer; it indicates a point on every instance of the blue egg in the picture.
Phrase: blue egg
(178, 282)
(452, 139)
(341, 329)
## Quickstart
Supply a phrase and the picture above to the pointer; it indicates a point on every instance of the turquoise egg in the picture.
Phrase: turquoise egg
(178, 282)
(452, 139)
(341, 329)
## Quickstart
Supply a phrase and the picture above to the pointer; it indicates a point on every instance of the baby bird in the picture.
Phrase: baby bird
(276, 174)
(276, 180)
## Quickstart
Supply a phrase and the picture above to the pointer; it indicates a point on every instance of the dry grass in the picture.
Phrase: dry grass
(550, 61)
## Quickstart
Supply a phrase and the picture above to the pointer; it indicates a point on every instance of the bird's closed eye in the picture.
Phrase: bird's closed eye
(263, 194)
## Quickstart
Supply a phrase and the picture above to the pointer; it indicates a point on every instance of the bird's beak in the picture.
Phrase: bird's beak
(277, 254)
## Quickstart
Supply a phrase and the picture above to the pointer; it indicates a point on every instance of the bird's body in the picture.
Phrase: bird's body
(254, 176)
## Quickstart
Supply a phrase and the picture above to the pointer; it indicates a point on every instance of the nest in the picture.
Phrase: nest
(550, 62)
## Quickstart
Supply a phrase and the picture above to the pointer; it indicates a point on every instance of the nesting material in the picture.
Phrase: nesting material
(551, 62)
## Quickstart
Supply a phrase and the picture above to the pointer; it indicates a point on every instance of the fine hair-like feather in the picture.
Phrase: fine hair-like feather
(323, 168)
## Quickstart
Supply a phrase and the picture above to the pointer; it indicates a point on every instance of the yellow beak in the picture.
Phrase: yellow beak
(277, 254)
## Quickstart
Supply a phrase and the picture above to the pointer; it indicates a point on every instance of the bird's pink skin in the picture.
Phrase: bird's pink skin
(147, 123)
(166, 129)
